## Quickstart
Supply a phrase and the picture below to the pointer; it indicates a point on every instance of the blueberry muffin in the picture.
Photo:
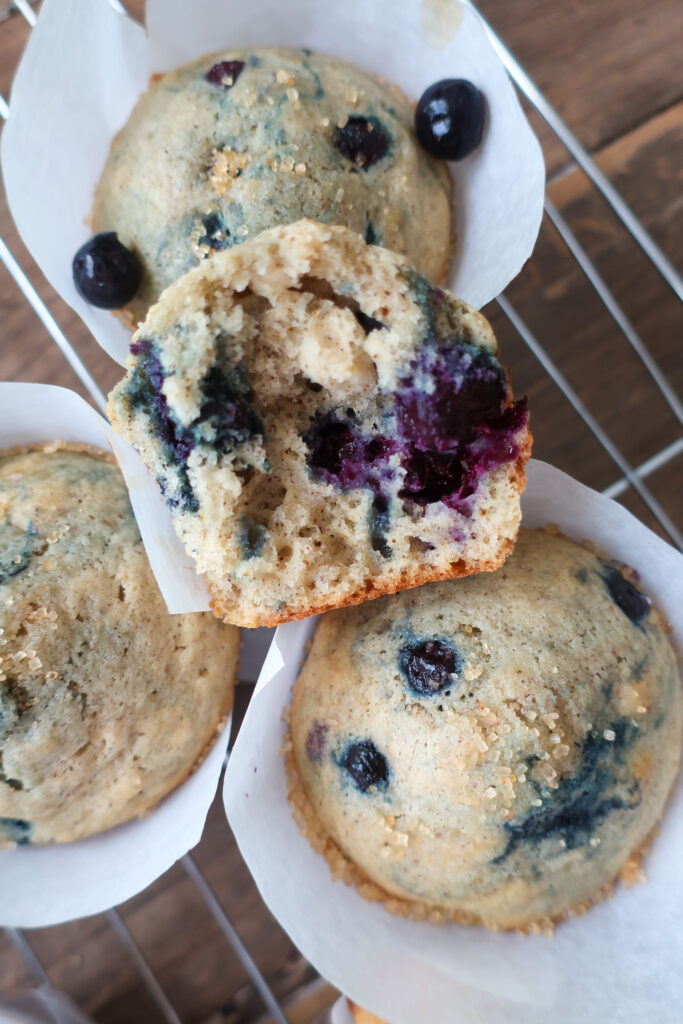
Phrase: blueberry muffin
(107, 702)
(361, 1016)
(239, 141)
(325, 424)
(494, 750)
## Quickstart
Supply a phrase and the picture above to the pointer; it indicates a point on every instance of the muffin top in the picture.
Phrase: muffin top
(494, 748)
(106, 701)
(243, 140)
(326, 425)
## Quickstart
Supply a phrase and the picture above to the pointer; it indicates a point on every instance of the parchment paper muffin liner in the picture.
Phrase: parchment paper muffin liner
(340, 1013)
(43, 885)
(86, 64)
(621, 962)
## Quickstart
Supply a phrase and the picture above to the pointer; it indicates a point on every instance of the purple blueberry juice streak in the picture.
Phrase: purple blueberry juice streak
(181, 441)
(315, 741)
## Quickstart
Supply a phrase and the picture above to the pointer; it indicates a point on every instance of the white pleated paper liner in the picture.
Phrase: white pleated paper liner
(44, 885)
(622, 963)
(340, 1013)
(85, 65)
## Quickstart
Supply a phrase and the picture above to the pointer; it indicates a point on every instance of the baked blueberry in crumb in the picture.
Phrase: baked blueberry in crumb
(342, 455)
(449, 118)
(363, 140)
(225, 73)
(216, 235)
(379, 525)
(451, 424)
(252, 537)
(226, 418)
(370, 234)
(452, 420)
(368, 323)
(226, 410)
(106, 274)
(627, 597)
(450, 391)
(429, 665)
(145, 391)
(366, 765)
(433, 476)
(15, 830)
(315, 741)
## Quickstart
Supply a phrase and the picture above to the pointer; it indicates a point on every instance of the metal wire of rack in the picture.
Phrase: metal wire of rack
(630, 476)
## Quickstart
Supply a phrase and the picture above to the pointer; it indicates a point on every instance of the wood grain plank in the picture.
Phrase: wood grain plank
(606, 67)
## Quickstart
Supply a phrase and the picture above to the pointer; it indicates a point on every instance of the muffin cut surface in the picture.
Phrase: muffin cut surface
(325, 424)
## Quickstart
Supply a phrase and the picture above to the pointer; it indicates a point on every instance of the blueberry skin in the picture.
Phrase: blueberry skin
(627, 597)
(15, 830)
(428, 666)
(339, 453)
(363, 140)
(106, 274)
(366, 765)
(449, 118)
(225, 73)
(380, 519)
(216, 235)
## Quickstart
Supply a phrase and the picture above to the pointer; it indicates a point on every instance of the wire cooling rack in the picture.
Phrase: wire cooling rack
(629, 476)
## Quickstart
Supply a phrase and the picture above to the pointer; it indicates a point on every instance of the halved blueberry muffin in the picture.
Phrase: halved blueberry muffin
(326, 425)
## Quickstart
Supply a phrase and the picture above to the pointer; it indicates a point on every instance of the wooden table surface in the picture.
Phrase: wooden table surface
(613, 72)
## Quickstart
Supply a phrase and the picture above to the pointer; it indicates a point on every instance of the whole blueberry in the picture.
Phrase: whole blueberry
(105, 272)
(366, 765)
(632, 603)
(428, 665)
(363, 140)
(225, 73)
(449, 118)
